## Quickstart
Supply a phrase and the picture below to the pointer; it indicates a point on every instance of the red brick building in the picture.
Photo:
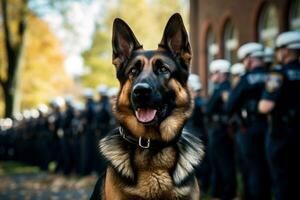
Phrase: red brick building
(219, 27)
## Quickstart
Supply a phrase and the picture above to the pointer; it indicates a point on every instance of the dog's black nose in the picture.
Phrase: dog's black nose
(142, 90)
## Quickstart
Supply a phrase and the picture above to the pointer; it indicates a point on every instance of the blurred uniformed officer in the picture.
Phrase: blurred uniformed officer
(281, 101)
(67, 143)
(195, 125)
(43, 138)
(77, 132)
(88, 139)
(55, 121)
(103, 110)
(220, 144)
(236, 71)
(244, 100)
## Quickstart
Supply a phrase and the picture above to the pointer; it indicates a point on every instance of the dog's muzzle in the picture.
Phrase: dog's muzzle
(142, 99)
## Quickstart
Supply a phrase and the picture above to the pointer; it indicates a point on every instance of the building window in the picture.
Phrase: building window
(294, 18)
(212, 48)
(230, 42)
(268, 26)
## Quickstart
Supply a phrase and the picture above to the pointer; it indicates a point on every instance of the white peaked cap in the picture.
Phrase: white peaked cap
(88, 92)
(102, 89)
(113, 91)
(69, 99)
(251, 49)
(219, 65)
(238, 69)
(59, 101)
(43, 108)
(194, 82)
(290, 39)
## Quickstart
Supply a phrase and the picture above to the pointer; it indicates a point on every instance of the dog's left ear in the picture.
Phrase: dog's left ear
(124, 42)
(175, 39)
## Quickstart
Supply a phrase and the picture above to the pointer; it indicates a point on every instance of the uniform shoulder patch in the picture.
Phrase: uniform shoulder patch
(274, 82)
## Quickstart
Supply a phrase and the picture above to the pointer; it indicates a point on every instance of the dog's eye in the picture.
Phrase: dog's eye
(133, 71)
(163, 69)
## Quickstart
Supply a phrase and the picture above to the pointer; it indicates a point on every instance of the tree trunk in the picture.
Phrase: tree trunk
(11, 89)
(14, 58)
(8, 100)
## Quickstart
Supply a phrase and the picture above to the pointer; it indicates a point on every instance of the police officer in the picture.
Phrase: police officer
(88, 137)
(195, 125)
(236, 71)
(220, 144)
(103, 110)
(67, 143)
(281, 101)
(244, 100)
(55, 123)
(43, 137)
(77, 132)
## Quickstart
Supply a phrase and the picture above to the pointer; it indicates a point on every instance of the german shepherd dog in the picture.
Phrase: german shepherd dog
(150, 156)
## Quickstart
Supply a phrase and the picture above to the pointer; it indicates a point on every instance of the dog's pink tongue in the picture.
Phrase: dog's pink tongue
(145, 114)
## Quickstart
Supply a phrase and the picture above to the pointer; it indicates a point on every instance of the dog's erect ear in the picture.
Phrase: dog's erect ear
(123, 42)
(175, 38)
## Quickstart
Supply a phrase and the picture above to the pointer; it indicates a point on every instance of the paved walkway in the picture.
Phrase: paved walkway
(42, 185)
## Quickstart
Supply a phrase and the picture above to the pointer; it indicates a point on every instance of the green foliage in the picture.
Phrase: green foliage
(147, 18)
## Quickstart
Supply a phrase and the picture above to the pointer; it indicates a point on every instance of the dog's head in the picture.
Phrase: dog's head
(154, 101)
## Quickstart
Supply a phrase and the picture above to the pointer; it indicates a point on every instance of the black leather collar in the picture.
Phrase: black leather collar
(145, 143)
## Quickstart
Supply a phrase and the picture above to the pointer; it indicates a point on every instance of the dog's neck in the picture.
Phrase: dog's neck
(146, 143)
(124, 156)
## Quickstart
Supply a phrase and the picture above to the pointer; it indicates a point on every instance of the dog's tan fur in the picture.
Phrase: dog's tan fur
(153, 180)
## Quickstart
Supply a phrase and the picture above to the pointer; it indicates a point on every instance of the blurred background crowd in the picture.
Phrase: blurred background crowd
(62, 136)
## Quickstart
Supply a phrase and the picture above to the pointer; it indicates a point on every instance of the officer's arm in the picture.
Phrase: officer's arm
(271, 93)
(265, 106)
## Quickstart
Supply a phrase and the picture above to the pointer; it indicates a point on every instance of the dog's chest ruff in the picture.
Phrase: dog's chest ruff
(189, 154)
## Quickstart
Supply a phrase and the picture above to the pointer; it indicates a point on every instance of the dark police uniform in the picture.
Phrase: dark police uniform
(88, 138)
(102, 124)
(43, 142)
(195, 125)
(220, 146)
(67, 143)
(243, 100)
(283, 141)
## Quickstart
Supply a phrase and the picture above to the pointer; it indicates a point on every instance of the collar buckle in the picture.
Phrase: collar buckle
(145, 144)
(142, 145)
